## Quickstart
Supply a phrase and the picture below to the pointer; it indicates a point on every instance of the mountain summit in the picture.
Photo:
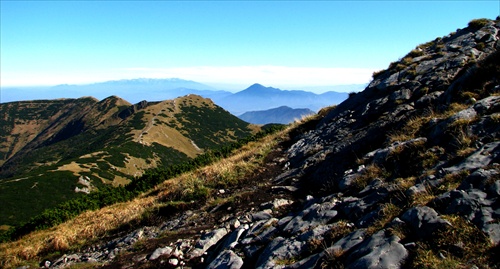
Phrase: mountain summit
(258, 89)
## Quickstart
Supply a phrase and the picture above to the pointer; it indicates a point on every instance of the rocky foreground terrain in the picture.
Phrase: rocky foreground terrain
(402, 175)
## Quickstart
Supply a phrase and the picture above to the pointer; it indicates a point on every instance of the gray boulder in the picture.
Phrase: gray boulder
(347, 242)
(378, 252)
(159, 252)
(478, 180)
(486, 155)
(206, 241)
(226, 260)
(313, 216)
(279, 251)
(424, 221)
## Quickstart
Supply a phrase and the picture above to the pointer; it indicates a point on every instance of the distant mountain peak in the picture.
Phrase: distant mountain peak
(260, 88)
(257, 85)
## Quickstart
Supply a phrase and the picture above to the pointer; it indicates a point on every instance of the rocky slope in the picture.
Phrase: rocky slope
(402, 175)
(54, 150)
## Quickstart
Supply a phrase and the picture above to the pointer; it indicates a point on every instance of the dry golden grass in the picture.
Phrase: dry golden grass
(88, 226)
(427, 259)
(93, 225)
(404, 184)
(386, 214)
(370, 173)
(442, 252)
(422, 198)
(413, 125)
(411, 128)
(223, 173)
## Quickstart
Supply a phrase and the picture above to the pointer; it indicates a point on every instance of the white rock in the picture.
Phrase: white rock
(159, 252)
(173, 262)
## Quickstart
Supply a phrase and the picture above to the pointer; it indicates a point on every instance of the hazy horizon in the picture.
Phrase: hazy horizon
(281, 44)
(27, 93)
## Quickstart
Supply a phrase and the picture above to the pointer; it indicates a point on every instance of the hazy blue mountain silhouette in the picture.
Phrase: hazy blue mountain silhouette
(132, 90)
(258, 97)
(282, 114)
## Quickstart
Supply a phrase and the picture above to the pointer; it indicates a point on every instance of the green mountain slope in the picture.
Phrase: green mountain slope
(54, 150)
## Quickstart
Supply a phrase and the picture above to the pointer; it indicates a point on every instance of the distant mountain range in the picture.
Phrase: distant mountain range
(52, 149)
(282, 115)
(254, 98)
(132, 90)
(258, 97)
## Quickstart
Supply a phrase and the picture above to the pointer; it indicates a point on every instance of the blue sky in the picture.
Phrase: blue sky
(278, 43)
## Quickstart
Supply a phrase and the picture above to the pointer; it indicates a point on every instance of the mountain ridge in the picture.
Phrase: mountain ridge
(255, 97)
(109, 141)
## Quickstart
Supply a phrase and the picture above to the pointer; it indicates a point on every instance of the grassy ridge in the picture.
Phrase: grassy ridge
(108, 196)
(107, 146)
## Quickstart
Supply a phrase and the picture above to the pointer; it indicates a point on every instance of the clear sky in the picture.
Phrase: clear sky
(276, 43)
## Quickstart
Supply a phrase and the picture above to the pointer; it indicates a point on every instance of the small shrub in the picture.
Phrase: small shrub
(378, 73)
(284, 262)
(400, 66)
(431, 157)
(460, 137)
(478, 23)
(440, 47)
(467, 95)
(416, 53)
(192, 189)
(407, 60)
(333, 259)
(324, 111)
(480, 46)
(411, 72)
(370, 173)
(427, 45)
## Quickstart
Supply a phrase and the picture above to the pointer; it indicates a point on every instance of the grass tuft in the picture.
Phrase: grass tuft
(370, 173)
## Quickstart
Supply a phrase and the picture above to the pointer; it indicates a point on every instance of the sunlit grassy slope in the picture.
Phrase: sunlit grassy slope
(93, 225)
